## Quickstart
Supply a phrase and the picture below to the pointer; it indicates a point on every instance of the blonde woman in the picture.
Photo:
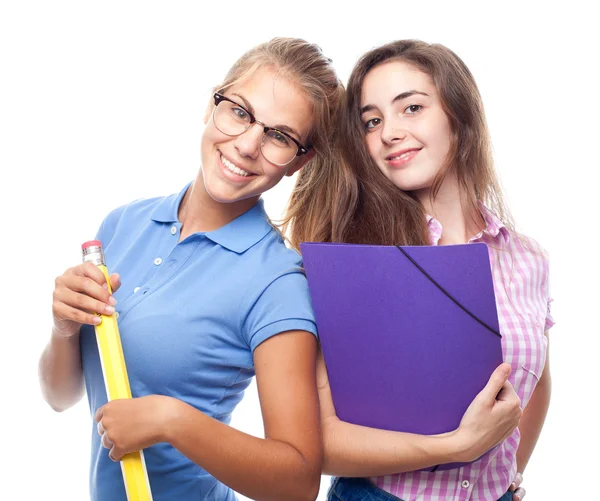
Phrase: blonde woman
(208, 296)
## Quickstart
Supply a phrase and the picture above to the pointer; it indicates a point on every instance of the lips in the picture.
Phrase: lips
(398, 155)
(401, 158)
(234, 168)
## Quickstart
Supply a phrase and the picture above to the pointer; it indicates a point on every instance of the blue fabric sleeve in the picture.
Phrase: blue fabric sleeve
(284, 305)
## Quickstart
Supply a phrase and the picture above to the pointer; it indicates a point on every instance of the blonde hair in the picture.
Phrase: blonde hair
(306, 65)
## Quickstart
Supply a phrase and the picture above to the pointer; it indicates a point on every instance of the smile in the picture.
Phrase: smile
(234, 168)
(404, 155)
(402, 158)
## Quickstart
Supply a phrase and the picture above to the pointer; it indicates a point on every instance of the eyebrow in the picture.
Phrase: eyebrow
(282, 128)
(399, 97)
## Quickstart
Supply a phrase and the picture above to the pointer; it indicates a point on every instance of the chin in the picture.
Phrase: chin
(222, 196)
(410, 183)
(227, 197)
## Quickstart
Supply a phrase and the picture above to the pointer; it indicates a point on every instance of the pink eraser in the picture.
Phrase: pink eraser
(91, 243)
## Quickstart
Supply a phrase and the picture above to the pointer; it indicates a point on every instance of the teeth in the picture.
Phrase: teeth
(404, 155)
(233, 168)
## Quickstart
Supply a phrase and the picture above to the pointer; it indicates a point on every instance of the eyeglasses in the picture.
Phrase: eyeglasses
(232, 119)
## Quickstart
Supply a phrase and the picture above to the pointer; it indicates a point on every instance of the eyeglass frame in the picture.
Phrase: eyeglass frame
(219, 98)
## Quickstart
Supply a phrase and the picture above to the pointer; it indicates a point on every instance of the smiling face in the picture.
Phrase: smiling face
(233, 168)
(407, 132)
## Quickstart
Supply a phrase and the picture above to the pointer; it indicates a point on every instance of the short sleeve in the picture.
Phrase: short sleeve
(549, 318)
(283, 305)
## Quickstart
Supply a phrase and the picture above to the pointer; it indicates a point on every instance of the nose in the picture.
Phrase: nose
(248, 143)
(393, 132)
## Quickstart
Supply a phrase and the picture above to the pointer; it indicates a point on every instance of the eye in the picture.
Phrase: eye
(240, 114)
(278, 137)
(372, 123)
(413, 109)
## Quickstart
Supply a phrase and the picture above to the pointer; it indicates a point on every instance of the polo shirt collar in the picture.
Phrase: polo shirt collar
(238, 235)
(244, 231)
(167, 209)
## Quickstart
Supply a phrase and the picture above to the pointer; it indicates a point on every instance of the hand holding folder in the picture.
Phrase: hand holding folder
(410, 335)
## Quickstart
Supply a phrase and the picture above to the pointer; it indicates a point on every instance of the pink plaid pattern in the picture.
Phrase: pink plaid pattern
(520, 273)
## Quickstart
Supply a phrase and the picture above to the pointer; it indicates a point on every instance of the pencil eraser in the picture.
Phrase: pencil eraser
(91, 243)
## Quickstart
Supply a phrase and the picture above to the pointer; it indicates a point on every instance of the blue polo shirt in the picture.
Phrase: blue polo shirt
(190, 316)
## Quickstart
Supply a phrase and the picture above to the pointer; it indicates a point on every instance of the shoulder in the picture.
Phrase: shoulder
(276, 298)
(529, 251)
(528, 244)
(275, 257)
(273, 264)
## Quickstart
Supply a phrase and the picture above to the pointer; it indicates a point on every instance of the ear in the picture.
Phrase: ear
(305, 158)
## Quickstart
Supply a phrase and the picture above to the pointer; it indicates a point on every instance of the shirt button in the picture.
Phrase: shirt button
(173, 230)
(136, 289)
(157, 261)
(466, 484)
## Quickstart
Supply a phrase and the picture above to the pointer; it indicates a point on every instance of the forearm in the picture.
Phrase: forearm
(358, 451)
(261, 469)
(532, 422)
(60, 372)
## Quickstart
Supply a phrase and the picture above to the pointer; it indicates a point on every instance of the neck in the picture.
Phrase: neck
(459, 222)
(199, 212)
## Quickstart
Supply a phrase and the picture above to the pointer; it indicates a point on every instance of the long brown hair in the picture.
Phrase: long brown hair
(306, 65)
(356, 203)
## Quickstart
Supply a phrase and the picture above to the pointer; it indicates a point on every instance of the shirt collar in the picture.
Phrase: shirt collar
(494, 227)
(167, 209)
(238, 235)
(244, 231)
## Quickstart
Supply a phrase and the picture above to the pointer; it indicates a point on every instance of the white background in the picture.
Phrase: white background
(102, 103)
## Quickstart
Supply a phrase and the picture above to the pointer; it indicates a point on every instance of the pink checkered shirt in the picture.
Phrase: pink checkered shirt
(523, 301)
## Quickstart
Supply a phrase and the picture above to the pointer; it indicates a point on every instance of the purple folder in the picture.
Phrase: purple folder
(410, 335)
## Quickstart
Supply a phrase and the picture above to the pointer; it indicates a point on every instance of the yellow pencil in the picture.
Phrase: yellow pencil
(133, 465)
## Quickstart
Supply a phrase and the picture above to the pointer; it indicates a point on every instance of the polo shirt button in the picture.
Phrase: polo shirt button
(136, 289)
(157, 261)
(173, 230)
(466, 484)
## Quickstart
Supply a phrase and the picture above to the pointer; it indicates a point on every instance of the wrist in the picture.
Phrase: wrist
(460, 448)
(61, 337)
(174, 411)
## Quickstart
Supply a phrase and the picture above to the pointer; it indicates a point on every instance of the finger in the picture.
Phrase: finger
(99, 413)
(508, 394)
(107, 442)
(101, 429)
(504, 392)
(89, 270)
(63, 312)
(115, 454)
(89, 279)
(83, 302)
(518, 480)
(519, 494)
(496, 381)
(115, 282)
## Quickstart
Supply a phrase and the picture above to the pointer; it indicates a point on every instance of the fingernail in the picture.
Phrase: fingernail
(109, 309)
(112, 300)
(97, 320)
